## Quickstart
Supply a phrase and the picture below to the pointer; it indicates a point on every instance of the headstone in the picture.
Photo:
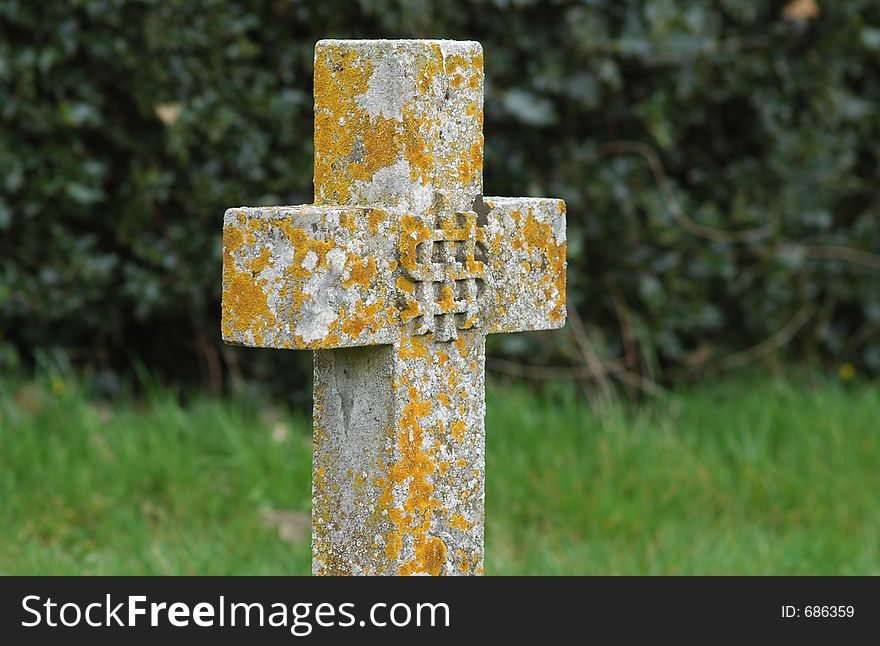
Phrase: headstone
(394, 277)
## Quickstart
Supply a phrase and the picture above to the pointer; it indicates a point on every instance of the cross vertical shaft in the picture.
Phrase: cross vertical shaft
(399, 125)
(393, 277)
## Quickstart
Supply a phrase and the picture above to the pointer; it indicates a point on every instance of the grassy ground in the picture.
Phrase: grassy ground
(744, 476)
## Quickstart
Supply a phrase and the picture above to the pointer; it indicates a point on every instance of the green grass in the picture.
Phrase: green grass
(742, 476)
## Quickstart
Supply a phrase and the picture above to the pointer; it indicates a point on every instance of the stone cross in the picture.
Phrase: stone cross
(394, 277)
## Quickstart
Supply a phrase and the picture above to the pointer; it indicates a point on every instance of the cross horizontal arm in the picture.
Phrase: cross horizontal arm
(525, 240)
(308, 277)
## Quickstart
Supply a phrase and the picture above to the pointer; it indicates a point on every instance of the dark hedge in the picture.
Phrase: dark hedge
(719, 160)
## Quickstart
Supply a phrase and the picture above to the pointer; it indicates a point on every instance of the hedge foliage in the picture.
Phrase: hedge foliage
(719, 160)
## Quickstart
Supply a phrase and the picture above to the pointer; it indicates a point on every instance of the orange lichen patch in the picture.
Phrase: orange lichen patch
(536, 234)
(477, 65)
(442, 357)
(350, 145)
(374, 218)
(458, 430)
(538, 238)
(412, 232)
(406, 285)
(332, 340)
(476, 155)
(419, 144)
(459, 522)
(294, 295)
(495, 243)
(453, 230)
(362, 271)
(412, 470)
(322, 509)
(443, 398)
(470, 162)
(474, 267)
(232, 240)
(447, 301)
(412, 347)
(461, 68)
(245, 307)
(465, 171)
(461, 344)
(430, 558)
(413, 309)
(442, 467)
(348, 221)
(430, 69)
(557, 314)
(303, 244)
(455, 63)
(262, 261)
(392, 315)
(464, 563)
(363, 316)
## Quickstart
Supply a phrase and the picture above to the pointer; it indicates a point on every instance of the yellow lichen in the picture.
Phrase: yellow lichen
(539, 241)
(419, 144)
(363, 316)
(374, 218)
(458, 430)
(350, 145)
(302, 245)
(459, 522)
(412, 470)
(362, 271)
(413, 309)
(446, 302)
(412, 347)
(406, 285)
(413, 231)
(463, 562)
(244, 307)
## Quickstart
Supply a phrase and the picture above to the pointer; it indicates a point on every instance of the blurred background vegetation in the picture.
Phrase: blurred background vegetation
(720, 163)
(719, 160)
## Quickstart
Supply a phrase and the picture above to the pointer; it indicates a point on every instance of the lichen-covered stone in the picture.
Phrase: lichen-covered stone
(394, 277)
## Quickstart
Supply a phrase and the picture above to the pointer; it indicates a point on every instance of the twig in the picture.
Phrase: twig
(865, 331)
(232, 365)
(660, 176)
(591, 357)
(616, 368)
(550, 373)
(765, 347)
(626, 330)
(847, 254)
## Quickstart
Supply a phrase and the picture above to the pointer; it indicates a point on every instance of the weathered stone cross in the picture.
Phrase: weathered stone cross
(394, 277)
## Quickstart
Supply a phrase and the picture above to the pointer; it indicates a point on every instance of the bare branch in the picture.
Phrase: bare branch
(846, 254)
(621, 146)
(591, 357)
(765, 347)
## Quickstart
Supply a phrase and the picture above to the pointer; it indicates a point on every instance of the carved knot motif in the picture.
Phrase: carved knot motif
(445, 266)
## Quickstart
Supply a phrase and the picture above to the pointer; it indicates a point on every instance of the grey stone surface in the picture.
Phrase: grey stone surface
(393, 277)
